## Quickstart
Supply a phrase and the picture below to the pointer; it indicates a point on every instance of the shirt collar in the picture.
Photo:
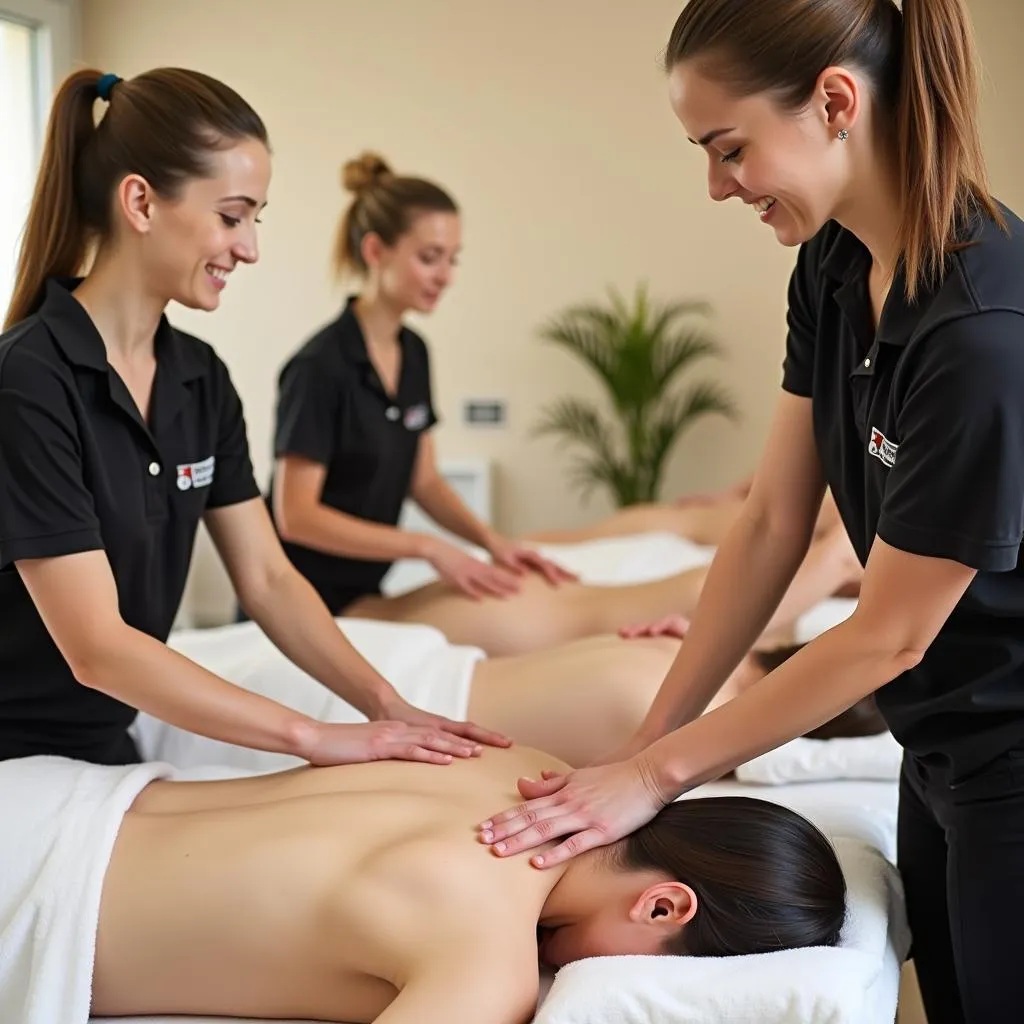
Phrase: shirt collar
(77, 337)
(848, 262)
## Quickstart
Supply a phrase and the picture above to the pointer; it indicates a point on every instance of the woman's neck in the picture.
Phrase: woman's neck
(379, 319)
(873, 211)
(126, 314)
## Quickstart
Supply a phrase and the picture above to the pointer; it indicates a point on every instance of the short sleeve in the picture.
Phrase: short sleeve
(308, 399)
(46, 509)
(801, 324)
(956, 486)
(233, 479)
(432, 417)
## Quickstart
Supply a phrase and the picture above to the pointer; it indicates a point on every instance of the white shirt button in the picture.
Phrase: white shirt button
(392, 413)
(867, 362)
(154, 469)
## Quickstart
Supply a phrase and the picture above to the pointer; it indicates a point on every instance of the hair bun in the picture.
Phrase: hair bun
(361, 174)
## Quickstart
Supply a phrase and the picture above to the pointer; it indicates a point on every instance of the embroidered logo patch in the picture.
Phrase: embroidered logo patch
(882, 448)
(195, 474)
(415, 417)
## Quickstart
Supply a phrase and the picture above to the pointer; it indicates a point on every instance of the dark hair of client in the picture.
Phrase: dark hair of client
(862, 719)
(766, 879)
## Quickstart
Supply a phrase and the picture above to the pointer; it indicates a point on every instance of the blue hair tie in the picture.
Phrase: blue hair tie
(105, 86)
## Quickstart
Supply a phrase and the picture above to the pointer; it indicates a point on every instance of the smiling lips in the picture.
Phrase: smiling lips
(764, 205)
(219, 275)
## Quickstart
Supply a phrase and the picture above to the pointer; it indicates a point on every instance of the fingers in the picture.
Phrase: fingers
(398, 742)
(550, 783)
(547, 824)
(519, 817)
(576, 844)
(472, 731)
(413, 753)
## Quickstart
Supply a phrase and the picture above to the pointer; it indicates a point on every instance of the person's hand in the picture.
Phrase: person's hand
(592, 806)
(332, 743)
(520, 559)
(472, 576)
(669, 625)
(401, 711)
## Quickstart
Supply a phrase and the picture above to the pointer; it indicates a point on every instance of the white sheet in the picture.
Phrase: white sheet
(806, 760)
(607, 562)
(418, 660)
(60, 819)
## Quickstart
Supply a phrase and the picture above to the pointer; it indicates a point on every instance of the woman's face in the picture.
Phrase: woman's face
(194, 241)
(790, 168)
(416, 271)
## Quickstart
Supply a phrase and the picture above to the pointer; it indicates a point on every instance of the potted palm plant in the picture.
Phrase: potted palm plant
(639, 352)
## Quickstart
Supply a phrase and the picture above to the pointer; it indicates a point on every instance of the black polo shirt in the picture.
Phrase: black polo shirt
(920, 428)
(81, 471)
(333, 409)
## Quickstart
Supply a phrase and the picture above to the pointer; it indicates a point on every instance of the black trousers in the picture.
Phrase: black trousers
(961, 856)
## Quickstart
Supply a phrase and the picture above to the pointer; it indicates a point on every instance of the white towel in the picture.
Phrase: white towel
(60, 819)
(853, 983)
(417, 660)
(805, 760)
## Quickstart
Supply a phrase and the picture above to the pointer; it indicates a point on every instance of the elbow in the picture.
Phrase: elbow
(290, 521)
(90, 660)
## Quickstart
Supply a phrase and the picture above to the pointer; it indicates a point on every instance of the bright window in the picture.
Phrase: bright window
(19, 141)
(36, 44)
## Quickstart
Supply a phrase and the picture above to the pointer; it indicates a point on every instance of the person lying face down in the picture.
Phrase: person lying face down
(359, 893)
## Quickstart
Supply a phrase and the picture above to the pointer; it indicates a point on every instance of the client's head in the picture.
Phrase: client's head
(715, 876)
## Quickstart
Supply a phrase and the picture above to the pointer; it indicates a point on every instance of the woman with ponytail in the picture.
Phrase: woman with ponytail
(849, 127)
(118, 433)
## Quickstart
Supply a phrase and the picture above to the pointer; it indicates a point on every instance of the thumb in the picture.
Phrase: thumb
(531, 789)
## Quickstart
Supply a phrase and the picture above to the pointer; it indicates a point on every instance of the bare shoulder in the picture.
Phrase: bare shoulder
(488, 975)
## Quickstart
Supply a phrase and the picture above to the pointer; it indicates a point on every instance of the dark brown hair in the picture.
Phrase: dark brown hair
(862, 719)
(922, 62)
(163, 125)
(385, 204)
(765, 878)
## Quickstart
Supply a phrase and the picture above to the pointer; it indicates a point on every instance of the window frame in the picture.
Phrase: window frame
(52, 25)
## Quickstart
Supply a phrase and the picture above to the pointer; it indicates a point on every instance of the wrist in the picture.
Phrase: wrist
(664, 769)
(301, 737)
(423, 546)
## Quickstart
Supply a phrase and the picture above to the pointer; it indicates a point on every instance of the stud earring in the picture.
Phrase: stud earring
(843, 135)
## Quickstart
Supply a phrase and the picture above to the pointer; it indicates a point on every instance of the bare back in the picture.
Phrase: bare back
(311, 894)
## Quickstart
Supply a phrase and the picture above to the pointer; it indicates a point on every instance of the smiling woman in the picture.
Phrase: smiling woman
(119, 432)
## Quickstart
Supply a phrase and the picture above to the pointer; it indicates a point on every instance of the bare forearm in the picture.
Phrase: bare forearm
(337, 533)
(744, 586)
(819, 682)
(448, 510)
(291, 613)
(829, 564)
(146, 674)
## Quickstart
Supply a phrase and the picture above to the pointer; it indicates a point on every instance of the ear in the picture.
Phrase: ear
(838, 98)
(134, 198)
(371, 249)
(666, 905)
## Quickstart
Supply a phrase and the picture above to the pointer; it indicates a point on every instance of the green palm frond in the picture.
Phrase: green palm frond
(574, 420)
(637, 350)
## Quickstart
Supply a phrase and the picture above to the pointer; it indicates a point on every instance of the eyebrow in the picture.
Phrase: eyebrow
(248, 200)
(711, 136)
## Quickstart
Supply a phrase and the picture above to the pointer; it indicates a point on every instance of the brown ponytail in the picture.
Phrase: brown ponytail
(55, 239)
(940, 155)
(384, 204)
(921, 61)
(163, 125)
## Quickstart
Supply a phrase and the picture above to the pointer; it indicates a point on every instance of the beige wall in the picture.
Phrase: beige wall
(550, 124)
